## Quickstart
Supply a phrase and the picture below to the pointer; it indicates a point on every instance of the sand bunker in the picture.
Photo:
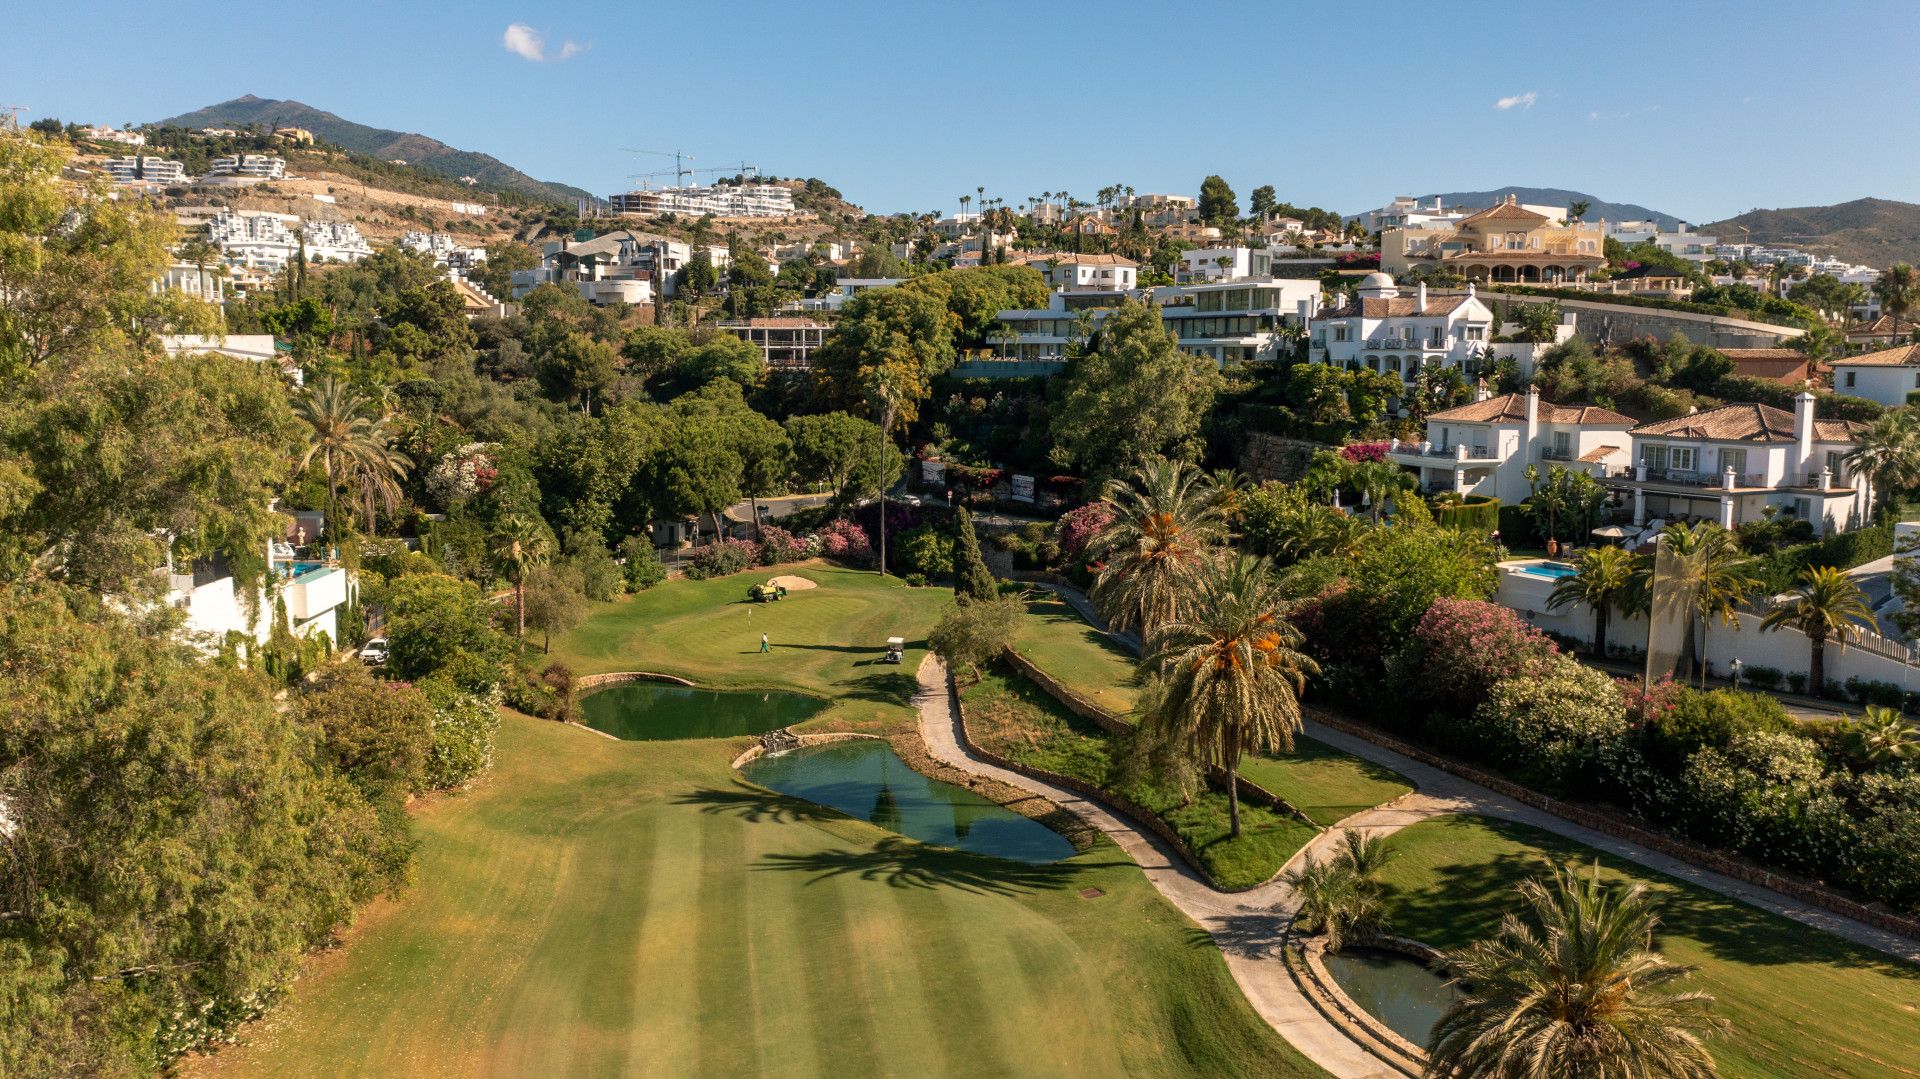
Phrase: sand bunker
(793, 584)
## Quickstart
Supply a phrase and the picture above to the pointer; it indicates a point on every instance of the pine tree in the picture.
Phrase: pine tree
(971, 578)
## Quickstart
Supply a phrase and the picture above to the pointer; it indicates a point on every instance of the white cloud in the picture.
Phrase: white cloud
(530, 44)
(1517, 101)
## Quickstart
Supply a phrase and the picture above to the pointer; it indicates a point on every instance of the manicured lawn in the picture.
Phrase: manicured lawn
(623, 908)
(826, 640)
(1801, 1003)
(1012, 716)
(1058, 641)
(1324, 783)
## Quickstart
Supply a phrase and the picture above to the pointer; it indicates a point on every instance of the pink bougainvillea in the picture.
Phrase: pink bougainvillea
(778, 545)
(1467, 646)
(1078, 527)
(847, 542)
(1362, 452)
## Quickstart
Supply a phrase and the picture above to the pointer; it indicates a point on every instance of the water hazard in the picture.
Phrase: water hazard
(864, 778)
(1397, 990)
(653, 711)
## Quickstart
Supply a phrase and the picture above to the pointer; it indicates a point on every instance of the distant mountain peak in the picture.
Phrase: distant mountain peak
(420, 151)
(1597, 207)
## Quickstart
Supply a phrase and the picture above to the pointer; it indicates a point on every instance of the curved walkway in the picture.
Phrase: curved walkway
(1249, 926)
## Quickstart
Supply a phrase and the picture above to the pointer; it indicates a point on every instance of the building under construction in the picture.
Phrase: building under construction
(720, 200)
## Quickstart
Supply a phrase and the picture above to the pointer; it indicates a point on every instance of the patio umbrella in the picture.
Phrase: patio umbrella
(1614, 532)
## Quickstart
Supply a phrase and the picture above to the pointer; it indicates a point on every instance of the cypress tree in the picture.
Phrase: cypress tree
(971, 578)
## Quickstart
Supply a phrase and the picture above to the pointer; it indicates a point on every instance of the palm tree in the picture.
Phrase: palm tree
(1885, 737)
(1826, 606)
(1571, 988)
(351, 439)
(519, 545)
(1711, 582)
(1164, 525)
(1231, 672)
(1600, 580)
(1342, 898)
(1889, 452)
(1229, 486)
(1380, 481)
(1898, 288)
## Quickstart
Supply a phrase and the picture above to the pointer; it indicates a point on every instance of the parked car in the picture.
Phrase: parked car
(374, 652)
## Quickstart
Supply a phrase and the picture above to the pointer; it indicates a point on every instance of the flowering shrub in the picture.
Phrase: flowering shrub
(1078, 527)
(778, 545)
(460, 474)
(845, 541)
(463, 730)
(1768, 794)
(1463, 647)
(722, 558)
(1362, 452)
(1553, 725)
(926, 551)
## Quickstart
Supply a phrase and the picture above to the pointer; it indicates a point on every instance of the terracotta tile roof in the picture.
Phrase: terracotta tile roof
(1510, 210)
(1395, 307)
(1884, 326)
(1779, 364)
(1599, 453)
(1512, 408)
(1528, 255)
(1068, 259)
(1747, 423)
(1897, 356)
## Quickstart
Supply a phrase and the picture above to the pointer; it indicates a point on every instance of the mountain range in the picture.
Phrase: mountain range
(1597, 208)
(419, 151)
(1877, 232)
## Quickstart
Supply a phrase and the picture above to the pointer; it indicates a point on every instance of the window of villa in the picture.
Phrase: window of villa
(1653, 456)
(1339, 333)
(1563, 444)
(1849, 379)
(1734, 459)
(1837, 464)
(1680, 458)
(1475, 333)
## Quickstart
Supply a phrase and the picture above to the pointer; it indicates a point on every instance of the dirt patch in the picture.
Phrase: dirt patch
(792, 583)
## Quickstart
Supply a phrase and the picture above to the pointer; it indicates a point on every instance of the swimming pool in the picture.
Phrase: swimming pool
(1551, 570)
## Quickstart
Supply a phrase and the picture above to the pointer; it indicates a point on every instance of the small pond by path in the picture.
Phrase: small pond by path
(864, 778)
(1397, 990)
(653, 711)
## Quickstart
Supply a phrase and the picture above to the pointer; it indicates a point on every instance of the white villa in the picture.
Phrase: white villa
(334, 241)
(1088, 273)
(1388, 331)
(1888, 376)
(1239, 321)
(1730, 463)
(1484, 448)
(618, 267)
(217, 605)
(846, 288)
(1222, 264)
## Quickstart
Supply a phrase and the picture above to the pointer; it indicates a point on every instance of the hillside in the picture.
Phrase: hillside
(1877, 232)
(420, 151)
(1557, 196)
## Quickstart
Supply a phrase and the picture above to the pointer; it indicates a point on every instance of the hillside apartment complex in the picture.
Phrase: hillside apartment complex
(720, 200)
(618, 267)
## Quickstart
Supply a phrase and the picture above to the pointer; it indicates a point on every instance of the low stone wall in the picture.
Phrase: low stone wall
(614, 678)
(1620, 827)
(1366, 1029)
(1112, 724)
(756, 751)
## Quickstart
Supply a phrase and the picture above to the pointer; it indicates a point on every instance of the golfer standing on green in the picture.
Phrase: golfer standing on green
(763, 643)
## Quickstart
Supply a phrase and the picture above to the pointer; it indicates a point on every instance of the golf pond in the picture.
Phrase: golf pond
(862, 778)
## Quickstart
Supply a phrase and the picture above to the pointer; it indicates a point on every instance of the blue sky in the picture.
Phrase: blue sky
(1697, 109)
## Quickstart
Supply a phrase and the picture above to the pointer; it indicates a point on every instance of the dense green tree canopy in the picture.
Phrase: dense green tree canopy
(1134, 396)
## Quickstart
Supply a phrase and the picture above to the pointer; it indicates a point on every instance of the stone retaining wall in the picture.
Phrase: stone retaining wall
(1112, 724)
(1620, 827)
(756, 751)
(614, 678)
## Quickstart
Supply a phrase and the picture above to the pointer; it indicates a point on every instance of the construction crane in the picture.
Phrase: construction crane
(10, 117)
(679, 161)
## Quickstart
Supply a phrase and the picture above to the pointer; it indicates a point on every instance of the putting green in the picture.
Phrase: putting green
(611, 908)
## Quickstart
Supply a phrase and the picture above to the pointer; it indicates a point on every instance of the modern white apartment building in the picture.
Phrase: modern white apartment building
(1484, 448)
(720, 200)
(219, 607)
(1731, 463)
(618, 267)
(786, 343)
(1407, 212)
(1681, 241)
(1249, 320)
(145, 170)
(334, 241)
(1405, 332)
(1890, 376)
(254, 239)
(443, 249)
(846, 288)
(249, 166)
(1222, 264)
(1086, 273)
(206, 283)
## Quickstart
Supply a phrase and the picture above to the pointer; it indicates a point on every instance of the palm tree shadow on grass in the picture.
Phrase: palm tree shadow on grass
(892, 687)
(756, 806)
(1249, 936)
(903, 863)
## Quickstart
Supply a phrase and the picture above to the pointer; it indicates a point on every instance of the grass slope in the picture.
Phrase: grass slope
(1012, 716)
(601, 908)
(1802, 1003)
(1324, 783)
(1054, 638)
(827, 640)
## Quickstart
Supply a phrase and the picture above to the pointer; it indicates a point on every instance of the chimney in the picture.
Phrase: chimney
(1480, 391)
(1533, 413)
(1469, 290)
(1803, 427)
(1421, 304)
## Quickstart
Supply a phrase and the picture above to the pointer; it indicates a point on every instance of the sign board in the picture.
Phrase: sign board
(1022, 488)
(933, 472)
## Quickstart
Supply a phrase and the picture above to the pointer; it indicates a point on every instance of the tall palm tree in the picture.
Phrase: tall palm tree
(1571, 988)
(1600, 580)
(352, 440)
(1231, 672)
(1380, 481)
(1889, 452)
(1826, 606)
(1885, 737)
(1898, 288)
(519, 545)
(1711, 582)
(1165, 523)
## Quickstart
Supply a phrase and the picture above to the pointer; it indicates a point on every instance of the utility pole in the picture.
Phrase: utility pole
(10, 117)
